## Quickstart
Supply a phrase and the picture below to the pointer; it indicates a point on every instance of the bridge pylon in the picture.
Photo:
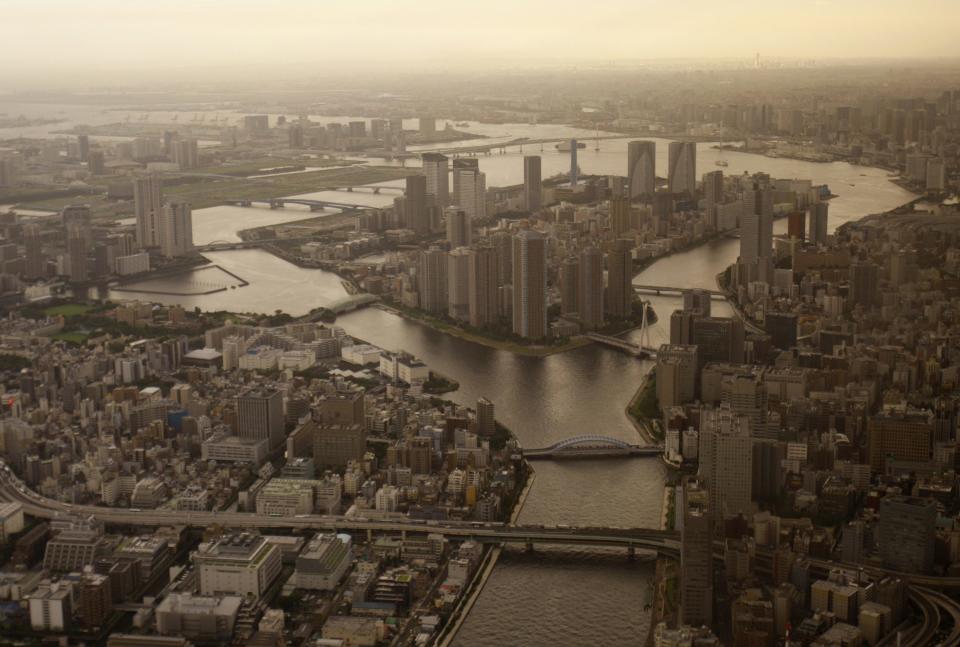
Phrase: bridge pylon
(645, 327)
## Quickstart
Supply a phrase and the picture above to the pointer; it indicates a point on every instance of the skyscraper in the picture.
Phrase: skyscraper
(185, 153)
(574, 168)
(590, 299)
(415, 206)
(34, 263)
(260, 416)
(176, 235)
(756, 230)
(570, 286)
(532, 182)
(713, 194)
(503, 243)
(462, 164)
(696, 556)
(458, 227)
(436, 169)
(147, 209)
(619, 302)
(76, 256)
(486, 420)
(83, 147)
(641, 168)
(907, 533)
(864, 283)
(620, 216)
(818, 223)
(471, 192)
(726, 462)
(482, 286)
(432, 279)
(682, 169)
(458, 284)
(530, 285)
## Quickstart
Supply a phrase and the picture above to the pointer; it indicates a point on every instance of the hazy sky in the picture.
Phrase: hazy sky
(103, 34)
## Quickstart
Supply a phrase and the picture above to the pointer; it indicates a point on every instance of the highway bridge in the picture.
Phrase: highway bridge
(313, 205)
(674, 291)
(591, 446)
(643, 352)
(939, 614)
(632, 539)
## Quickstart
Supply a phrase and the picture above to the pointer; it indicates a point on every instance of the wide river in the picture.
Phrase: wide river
(550, 598)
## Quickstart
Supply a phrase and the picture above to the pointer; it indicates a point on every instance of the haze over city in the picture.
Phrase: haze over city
(433, 324)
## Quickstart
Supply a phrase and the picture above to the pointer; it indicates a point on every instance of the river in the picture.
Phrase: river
(550, 598)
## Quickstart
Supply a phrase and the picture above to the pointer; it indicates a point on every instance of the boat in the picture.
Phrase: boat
(564, 147)
(722, 163)
(462, 124)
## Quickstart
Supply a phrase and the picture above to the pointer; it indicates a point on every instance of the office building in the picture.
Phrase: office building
(907, 532)
(718, 339)
(459, 231)
(484, 296)
(437, 171)
(432, 280)
(726, 462)
(590, 298)
(260, 417)
(324, 561)
(530, 285)
(458, 284)
(532, 183)
(209, 618)
(696, 556)
(619, 301)
(415, 206)
(94, 599)
(682, 169)
(904, 437)
(344, 407)
(641, 168)
(335, 445)
(176, 229)
(240, 563)
(147, 208)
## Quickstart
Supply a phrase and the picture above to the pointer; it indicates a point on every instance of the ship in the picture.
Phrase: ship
(722, 163)
(564, 147)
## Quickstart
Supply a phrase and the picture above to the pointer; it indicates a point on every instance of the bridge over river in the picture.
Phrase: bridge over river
(591, 446)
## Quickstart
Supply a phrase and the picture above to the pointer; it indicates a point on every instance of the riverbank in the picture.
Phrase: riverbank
(496, 344)
(639, 408)
(664, 583)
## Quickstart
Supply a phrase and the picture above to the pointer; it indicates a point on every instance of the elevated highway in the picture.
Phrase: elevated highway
(631, 539)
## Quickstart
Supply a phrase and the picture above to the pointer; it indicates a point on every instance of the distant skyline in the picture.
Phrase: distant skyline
(51, 35)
